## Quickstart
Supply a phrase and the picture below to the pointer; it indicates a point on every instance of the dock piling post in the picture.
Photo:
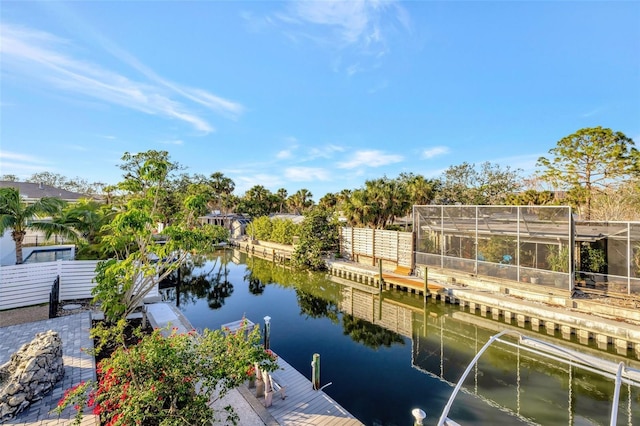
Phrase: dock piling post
(426, 282)
(315, 371)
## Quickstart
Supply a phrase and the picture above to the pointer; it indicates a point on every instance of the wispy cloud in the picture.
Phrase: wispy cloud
(435, 151)
(370, 158)
(288, 152)
(246, 182)
(41, 56)
(173, 142)
(362, 26)
(326, 151)
(22, 165)
(593, 112)
(284, 154)
(306, 174)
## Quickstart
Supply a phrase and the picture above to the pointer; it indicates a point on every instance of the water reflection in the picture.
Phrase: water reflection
(418, 349)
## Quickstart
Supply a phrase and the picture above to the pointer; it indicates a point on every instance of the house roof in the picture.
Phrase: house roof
(36, 191)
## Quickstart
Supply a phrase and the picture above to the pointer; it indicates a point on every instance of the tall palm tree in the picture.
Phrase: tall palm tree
(20, 217)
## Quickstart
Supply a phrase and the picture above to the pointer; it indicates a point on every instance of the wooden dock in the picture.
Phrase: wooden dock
(305, 406)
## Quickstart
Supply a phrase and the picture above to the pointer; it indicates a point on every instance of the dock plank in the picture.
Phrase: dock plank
(305, 406)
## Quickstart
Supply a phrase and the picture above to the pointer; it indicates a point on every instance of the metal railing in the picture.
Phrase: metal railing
(54, 297)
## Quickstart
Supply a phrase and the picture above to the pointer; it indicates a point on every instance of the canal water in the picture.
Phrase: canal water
(384, 354)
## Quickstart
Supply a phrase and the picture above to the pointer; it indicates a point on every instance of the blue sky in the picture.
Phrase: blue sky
(316, 95)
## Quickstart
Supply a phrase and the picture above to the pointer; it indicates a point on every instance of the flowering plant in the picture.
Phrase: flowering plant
(154, 381)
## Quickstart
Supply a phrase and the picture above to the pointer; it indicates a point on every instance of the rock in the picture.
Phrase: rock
(30, 373)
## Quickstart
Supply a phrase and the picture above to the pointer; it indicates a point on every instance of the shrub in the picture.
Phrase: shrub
(170, 381)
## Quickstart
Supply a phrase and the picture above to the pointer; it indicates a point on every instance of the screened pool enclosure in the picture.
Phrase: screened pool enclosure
(539, 245)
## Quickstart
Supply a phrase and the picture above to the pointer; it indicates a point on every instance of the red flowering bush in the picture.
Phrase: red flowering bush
(169, 381)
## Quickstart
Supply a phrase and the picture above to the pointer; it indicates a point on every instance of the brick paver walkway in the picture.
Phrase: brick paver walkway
(78, 366)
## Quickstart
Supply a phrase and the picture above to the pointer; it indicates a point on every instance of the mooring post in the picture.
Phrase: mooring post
(267, 331)
(315, 371)
(426, 282)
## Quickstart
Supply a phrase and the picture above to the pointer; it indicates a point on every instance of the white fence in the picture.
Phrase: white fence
(30, 284)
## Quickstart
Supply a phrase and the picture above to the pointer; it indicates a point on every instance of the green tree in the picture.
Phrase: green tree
(282, 195)
(588, 161)
(140, 262)
(257, 201)
(318, 237)
(20, 217)
(421, 191)
(465, 184)
(300, 201)
(87, 218)
(223, 187)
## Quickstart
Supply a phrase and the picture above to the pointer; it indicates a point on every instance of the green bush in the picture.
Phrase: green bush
(170, 381)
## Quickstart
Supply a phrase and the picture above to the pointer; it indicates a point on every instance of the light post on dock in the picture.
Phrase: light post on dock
(267, 331)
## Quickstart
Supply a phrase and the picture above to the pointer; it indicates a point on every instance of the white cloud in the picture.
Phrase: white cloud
(435, 151)
(173, 142)
(244, 183)
(22, 165)
(362, 26)
(41, 56)
(306, 174)
(370, 158)
(326, 151)
(284, 154)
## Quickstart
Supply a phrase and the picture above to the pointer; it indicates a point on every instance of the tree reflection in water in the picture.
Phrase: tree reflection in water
(203, 277)
(316, 307)
(368, 334)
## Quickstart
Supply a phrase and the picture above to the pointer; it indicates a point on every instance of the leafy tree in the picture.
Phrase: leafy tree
(588, 161)
(57, 180)
(222, 187)
(300, 201)
(530, 197)
(421, 191)
(282, 195)
(20, 217)
(258, 201)
(140, 262)
(464, 184)
(621, 203)
(283, 231)
(87, 218)
(9, 178)
(318, 237)
(377, 204)
(260, 228)
(329, 201)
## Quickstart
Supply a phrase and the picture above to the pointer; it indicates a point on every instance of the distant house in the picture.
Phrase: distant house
(32, 192)
(235, 223)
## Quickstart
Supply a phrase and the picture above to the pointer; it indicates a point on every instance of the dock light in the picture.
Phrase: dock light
(418, 415)
(267, 331)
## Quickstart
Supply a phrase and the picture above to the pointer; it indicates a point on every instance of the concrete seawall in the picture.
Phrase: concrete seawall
(609, 327)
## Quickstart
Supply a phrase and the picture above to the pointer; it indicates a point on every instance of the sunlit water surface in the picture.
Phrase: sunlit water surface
(387, 353)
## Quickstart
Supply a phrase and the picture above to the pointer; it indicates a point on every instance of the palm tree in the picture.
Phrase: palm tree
(20, 217)
(300, 201)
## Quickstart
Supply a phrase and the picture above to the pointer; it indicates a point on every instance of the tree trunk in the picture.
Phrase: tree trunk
(18, 237)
